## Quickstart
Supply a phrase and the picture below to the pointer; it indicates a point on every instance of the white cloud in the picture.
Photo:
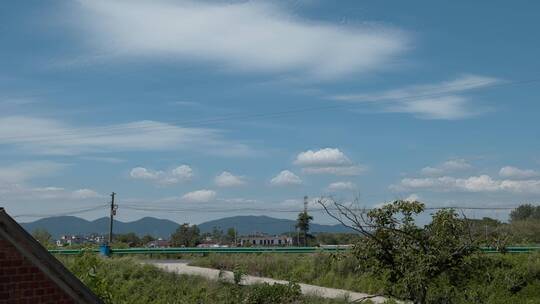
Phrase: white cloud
(479, 184)
(14, 183)
(446, 167)
(24, 192)
(25, 171)
(242, 36)
(322, 158)
(143, 173)
(340, 171)
(86, 194)
(341, 186)
(181, 173)
(327, 161)
(412, 198)
(53, 137)
(286, 178)
(516, 173)
(199, 196)
(227, 179)
(443, 100)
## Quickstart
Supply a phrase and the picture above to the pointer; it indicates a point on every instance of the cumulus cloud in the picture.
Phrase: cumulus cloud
(341, 186)
(481, 183)
(412, 198)
(286, 178)
(243, 36)
(143, 173)
(52, 137)
(322, 157)
(444, 100)
(446, 167)
(199, 196)
(227, 179)
(182, 172)
(516, 173)
(179, 174)
(327, 161)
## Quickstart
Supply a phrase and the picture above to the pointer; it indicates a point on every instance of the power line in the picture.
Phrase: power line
(280, 210)
(239, 116)
(71, 212)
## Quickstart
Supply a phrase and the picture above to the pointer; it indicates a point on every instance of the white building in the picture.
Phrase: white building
(265, 240)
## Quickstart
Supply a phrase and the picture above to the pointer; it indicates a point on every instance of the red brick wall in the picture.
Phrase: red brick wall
(22, 282)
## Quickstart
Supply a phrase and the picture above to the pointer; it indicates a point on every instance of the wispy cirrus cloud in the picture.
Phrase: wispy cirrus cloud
(199, 196)
(341, 186)
(241, 36)
(15, 183)
(476, 184)
(517, 173)
(52, 137)
(451, 165)
(444, 100)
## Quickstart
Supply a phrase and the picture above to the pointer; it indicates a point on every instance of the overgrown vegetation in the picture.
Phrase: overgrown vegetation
(434, 263)
(124, 280)
(494, 278)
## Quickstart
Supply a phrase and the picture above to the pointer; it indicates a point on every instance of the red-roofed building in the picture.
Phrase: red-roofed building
(30, 274)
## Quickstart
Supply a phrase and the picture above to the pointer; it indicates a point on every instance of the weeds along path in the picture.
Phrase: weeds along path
(182, 267)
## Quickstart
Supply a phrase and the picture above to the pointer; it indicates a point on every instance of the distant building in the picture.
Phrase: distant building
(265, 240)
(68, 240)
(30, 274)
(159, 243)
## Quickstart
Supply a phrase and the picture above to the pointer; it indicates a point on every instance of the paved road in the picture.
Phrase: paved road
(182, 267)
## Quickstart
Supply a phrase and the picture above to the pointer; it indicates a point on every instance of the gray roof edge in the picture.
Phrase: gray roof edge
(46, 262)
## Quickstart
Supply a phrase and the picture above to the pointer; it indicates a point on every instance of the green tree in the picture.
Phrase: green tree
(302, 224)
(217, 234)
(413, 261)
(231, 235)
(131, 239)
(42, 236)
(525, 212)
(147, 239)
(186, 236)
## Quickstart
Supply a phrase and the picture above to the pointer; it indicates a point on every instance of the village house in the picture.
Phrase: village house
(265, 240)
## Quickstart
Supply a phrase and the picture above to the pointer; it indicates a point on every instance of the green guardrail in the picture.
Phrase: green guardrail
(230, 250)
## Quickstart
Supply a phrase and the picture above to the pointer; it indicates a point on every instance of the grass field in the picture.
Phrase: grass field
(504, 279)
(124, 280)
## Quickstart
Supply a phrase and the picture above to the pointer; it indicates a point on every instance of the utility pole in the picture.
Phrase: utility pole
(306, 216)
(113, 213)
(235, 237)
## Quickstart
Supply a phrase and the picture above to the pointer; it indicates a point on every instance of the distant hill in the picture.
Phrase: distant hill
(250, 224)
(60, 225)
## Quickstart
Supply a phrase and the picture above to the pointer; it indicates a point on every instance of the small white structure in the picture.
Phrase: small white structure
(266, 240)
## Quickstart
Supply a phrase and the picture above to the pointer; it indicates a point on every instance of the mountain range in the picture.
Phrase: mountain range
(60, 225)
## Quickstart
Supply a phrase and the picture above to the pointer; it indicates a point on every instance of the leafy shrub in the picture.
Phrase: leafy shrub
(276, 293)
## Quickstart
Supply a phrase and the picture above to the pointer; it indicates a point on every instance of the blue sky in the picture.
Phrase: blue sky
(244, 107)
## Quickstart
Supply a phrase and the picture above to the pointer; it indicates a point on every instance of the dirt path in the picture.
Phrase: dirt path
(182, 267)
